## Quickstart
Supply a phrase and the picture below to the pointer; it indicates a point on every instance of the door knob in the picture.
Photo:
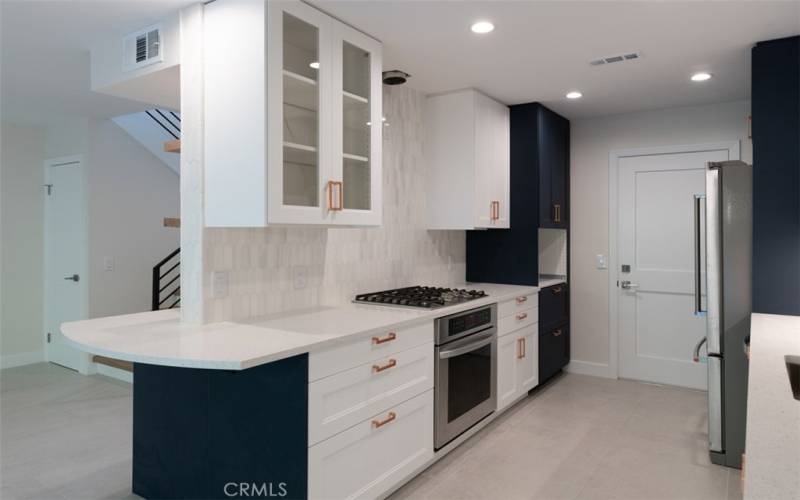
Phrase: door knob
(627, 285)
(74, 278)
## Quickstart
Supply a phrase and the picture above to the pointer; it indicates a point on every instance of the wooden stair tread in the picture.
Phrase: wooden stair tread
(172, 222)
(114, 363)
(173, 146)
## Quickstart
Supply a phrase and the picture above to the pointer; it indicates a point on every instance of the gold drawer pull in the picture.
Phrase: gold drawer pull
(521, 348)
(557, 332)
(378, 368)
(388, 338)
(556, 290)
(381, 423)
(522, 300)
(522, 316)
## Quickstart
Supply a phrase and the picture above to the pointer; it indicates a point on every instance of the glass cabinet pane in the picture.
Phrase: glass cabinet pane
(300, 112)
(356, 127)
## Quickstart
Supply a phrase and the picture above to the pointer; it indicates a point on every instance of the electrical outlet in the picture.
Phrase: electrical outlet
(220, 282)
(108, 263)
(299, 277)
(600, 261)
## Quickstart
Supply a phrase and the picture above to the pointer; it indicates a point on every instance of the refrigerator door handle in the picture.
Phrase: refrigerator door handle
(696, 352)
(698, 235)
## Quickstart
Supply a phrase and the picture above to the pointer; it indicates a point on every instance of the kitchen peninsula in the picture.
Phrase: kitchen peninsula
(275, 404)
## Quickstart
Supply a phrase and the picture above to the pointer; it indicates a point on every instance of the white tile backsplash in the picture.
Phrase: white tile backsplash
(343, 261)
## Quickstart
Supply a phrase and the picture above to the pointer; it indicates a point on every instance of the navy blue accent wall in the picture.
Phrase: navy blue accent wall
(776, 176)
(511, 256)
(196, 431)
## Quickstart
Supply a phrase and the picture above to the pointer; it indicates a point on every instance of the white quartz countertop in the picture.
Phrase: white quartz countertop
(160, 338)
(772, 447)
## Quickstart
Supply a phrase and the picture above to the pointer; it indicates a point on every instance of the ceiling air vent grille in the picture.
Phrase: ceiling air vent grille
(142, 48)
(615, 59)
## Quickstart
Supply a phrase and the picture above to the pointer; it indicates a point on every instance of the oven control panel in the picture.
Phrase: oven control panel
(469, 321)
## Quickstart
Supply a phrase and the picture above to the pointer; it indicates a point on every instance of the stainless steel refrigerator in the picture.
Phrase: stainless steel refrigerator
(723, 277)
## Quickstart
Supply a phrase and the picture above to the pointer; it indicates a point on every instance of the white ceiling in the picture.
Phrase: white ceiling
(540, 50)
(44, 55)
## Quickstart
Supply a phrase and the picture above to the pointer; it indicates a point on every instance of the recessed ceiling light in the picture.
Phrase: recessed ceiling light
(482, 27)
(574, 95)
(701, 77)
(315, 64)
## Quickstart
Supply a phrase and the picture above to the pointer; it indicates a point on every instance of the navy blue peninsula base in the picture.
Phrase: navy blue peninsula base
(202, 433)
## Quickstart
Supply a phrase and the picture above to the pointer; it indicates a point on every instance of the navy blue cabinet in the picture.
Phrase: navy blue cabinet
(553, 330)
(776, 176)
(539, 198)
(553, 152)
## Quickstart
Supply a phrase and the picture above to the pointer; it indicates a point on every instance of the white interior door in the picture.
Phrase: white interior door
(657, 326)
(66, 279)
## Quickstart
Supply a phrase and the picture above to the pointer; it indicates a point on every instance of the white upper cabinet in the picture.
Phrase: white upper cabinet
(467, 154)
(292, 117)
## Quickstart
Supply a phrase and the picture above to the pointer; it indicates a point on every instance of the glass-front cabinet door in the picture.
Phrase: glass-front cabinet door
(357, 128)
(299, 73)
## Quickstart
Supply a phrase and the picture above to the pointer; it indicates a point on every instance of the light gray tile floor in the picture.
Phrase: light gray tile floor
(67, 436)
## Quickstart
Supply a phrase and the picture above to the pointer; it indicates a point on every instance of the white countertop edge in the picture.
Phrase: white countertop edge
(76, 332)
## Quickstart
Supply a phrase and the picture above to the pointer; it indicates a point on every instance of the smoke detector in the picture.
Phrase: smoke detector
(616, 58)
(395, 77)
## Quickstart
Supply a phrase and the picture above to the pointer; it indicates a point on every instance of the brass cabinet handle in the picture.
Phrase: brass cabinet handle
(388, 338)
(520, 348)
(556, 290)
(335, 207)
(522, 299)
(557, 212)
(521, 316)
(494, 210)
(378, 368)
(381, 423)
(557, 332)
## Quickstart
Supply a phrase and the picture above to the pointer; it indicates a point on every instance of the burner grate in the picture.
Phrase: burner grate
(426, 297)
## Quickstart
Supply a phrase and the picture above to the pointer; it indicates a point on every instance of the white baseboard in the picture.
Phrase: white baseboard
(590, 368)
(20, 359)
(110, 371)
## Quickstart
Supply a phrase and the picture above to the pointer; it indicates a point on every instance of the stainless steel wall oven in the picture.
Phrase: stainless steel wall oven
(465, 388)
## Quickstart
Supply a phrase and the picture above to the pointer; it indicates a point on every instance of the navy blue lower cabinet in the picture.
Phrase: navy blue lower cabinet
(200, 433)
(776, 176)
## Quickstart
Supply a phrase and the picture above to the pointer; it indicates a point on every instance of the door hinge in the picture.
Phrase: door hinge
(49, 189)
(49, 337)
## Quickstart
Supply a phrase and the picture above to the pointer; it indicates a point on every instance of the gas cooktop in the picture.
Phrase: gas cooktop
(423, 297)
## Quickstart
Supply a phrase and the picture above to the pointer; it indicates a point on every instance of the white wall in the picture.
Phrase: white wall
(21, 233)
(343, 261)
(591, 142)
(130, 192)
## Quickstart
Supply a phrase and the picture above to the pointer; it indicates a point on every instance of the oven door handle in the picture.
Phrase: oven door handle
(458, 351)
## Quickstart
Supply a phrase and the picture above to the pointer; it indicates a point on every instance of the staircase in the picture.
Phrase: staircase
(166, 282)
(158, 131)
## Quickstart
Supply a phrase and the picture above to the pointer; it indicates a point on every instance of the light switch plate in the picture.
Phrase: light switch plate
(220, 283)
(600, 261)
(108, 263)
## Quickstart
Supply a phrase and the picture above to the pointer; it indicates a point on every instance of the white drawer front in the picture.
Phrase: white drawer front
(346, 398)
(513, 306)
(365, 460)
(364, 350)
(520, 319)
